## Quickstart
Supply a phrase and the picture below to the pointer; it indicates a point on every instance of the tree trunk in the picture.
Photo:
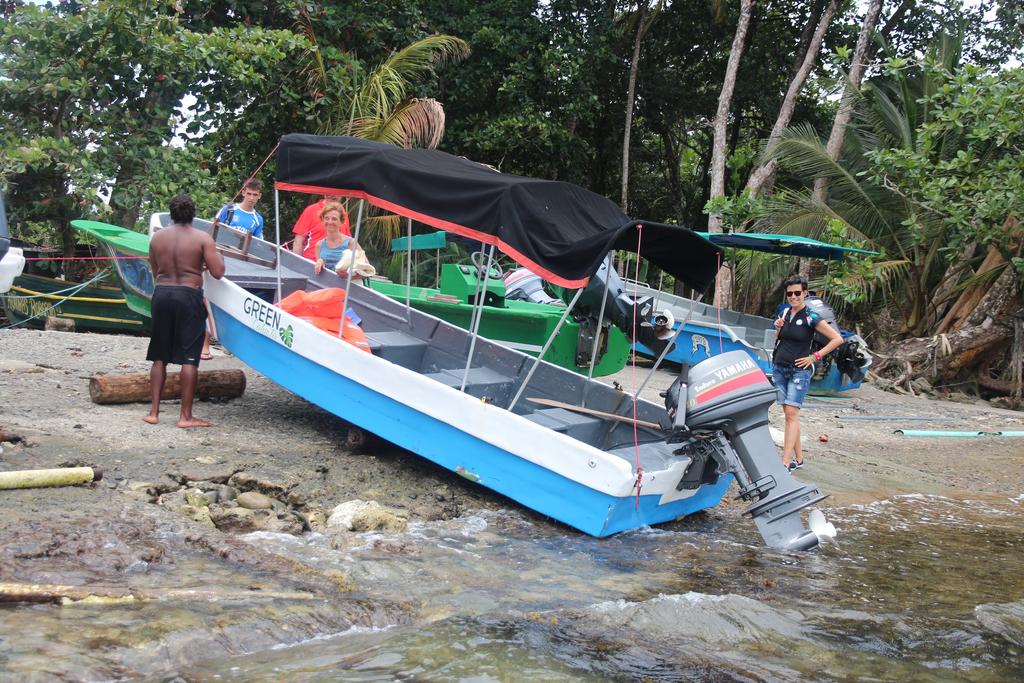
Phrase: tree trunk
(927, 358)
(634, 66)
(940, 298)
(988, 327)
(804, 42)
(670, 153)
(969, 299)
(134, 388)
(724, 284)
(842, 120)
(763, 178)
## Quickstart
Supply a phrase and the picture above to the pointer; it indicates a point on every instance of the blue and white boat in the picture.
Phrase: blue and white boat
(703, 331)
(574, 449)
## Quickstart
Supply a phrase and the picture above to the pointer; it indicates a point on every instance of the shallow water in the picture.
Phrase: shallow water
(919, 588)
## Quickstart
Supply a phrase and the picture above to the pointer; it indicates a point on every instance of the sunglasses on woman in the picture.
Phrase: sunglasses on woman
(794, 292)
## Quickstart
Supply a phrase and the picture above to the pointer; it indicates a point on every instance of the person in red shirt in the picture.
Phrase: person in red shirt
(309, 230)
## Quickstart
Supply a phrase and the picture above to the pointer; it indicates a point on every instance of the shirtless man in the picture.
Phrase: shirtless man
(178, 255)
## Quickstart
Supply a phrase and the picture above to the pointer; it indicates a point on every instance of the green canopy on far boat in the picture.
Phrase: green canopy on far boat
(431, 240)
(775, 243)
(127, 241)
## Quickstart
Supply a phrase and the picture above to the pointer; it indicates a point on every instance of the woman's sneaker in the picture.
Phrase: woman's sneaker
(796, 465)
(792, 466)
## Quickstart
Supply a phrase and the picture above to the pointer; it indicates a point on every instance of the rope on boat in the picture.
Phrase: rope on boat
(84, 258)
(46, 295)
(636, 436)
(73, 291)
(718, 306)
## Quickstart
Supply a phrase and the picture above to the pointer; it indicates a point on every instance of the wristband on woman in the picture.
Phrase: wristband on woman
(817, 355)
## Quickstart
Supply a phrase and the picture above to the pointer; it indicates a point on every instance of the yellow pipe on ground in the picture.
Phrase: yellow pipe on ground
(59, 476)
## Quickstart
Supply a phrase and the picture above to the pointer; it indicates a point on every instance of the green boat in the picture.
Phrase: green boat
(129, 252)
(96, 307)
(521, 325)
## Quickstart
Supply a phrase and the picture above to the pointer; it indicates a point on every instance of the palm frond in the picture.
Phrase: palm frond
(315, 71)
(416, 123)
(387, 85)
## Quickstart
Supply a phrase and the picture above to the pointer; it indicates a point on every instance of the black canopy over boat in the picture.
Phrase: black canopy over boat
(558, 230)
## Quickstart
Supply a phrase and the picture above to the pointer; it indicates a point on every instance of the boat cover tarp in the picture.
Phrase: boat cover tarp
(774, 243)
(558, 230)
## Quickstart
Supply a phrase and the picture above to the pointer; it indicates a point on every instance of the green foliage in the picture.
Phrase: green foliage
(968, 169)
(737, 211)
(93, 104)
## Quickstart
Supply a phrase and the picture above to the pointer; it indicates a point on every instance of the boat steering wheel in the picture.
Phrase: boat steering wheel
(479, 260)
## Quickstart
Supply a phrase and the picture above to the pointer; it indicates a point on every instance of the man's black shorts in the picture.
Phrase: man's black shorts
(179, 325)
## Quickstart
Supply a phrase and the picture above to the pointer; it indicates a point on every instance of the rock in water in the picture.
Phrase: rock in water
(241, 520)
(251, 500)
(1006, 619)
(360, 515)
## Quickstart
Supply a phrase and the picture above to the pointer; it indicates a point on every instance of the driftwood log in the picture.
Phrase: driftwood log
(134, 388)
(56, 593)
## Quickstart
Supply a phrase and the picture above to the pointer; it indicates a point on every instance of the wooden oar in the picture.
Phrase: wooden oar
(595, 413)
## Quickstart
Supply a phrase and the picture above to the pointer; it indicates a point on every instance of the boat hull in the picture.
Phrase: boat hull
(543, 470)
(96, 308)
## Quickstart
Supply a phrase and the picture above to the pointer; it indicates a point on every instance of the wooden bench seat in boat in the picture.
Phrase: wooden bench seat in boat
(481, 382)
(583, 427)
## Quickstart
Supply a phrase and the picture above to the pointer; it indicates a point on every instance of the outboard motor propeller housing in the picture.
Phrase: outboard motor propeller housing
(619, 308)
(722, 426)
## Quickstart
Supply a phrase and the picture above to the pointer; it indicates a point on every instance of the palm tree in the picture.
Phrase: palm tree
(379, 106)
(888, 112)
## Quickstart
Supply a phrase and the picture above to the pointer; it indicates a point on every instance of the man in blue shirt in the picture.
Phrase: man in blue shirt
(244, 216)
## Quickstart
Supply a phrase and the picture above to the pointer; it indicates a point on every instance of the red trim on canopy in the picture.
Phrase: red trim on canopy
(440, 224)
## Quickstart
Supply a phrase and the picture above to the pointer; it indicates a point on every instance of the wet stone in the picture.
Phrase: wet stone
(226, 493)
(218, 474)
(253, 500)
(270, 484)
(242, 520)
(359, 515)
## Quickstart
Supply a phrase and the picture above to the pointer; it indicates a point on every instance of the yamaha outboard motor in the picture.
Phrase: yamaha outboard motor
(719, 410)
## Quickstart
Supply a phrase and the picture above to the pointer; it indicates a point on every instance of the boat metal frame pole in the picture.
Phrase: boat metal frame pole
(408, 275)
(547, 345)
(277, 229)
(478, 314)
(476, 289)
(351, 267)
(600, 322)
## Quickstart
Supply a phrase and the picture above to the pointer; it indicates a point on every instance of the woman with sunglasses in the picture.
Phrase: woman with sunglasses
(793, 362)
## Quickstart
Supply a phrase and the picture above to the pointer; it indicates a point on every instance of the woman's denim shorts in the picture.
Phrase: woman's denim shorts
(792, 384)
